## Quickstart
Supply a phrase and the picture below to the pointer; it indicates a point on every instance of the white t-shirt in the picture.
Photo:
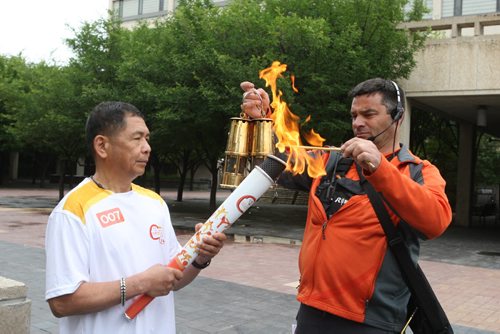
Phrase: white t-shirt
(95, 235)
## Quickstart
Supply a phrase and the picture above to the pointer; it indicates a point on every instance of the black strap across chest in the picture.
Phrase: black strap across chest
(335, 189)
(421, 290)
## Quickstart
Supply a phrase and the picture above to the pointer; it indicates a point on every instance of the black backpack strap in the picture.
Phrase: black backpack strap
(415, 278)
(334, 190)
(332, 162)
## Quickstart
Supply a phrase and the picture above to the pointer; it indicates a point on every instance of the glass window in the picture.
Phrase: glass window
(130, 8)
(471, 7)
(150, 6)
(448, 7)
(116, 8)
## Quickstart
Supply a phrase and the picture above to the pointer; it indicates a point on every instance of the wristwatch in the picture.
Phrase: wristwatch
(200, 266)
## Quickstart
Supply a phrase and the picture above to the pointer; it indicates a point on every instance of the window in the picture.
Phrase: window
(150, 6)
(130, 8)
(448, 7)
(471, 7)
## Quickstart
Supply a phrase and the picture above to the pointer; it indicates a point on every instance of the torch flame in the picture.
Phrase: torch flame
(292, 78)
(287, 130)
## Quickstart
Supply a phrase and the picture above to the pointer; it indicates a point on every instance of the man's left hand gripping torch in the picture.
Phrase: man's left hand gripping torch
(241, 199)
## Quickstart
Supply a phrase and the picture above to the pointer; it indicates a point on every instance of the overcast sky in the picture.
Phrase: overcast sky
(37, 28)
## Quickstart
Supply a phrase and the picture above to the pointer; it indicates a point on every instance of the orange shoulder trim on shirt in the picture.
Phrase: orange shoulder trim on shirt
(146, 192)
(81, 199)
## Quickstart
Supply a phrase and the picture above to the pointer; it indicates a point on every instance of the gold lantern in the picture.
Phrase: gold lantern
(249, 142)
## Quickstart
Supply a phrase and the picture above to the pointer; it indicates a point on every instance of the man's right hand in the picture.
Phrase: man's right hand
(255, 101)
(160, 280)
(91, 297)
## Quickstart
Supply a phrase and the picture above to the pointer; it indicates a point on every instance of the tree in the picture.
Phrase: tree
(183, 83)
(488, 160)
(51, 120)
(14, 73)
(98, 55)
(436, 139)
(332, 45)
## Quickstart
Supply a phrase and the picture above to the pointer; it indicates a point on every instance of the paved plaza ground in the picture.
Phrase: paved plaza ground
(250, 286)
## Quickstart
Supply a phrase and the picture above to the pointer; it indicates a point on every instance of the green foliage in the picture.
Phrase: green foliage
(417, 11)
(435, 138)
(98, 55)
(330, 46)
(50, 118)
(14, 78)
(488, 160)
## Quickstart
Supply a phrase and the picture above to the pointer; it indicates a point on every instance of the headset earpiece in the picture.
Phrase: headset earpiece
(397, 113)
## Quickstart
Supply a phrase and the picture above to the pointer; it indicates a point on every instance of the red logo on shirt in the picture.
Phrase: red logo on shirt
(110, 217)
(156, 233)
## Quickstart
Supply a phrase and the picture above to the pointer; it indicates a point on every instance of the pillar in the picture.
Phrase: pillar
(15, 308)
(464, 174)
(80, 167)
(14, 165)
(437, 9)
(404, 136)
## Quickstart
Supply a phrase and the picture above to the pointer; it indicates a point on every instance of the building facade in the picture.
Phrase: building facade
(133, 10)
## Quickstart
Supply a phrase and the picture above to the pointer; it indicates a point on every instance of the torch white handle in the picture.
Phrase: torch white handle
(240, 200)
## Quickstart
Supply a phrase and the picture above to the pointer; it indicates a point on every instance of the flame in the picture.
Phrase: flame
(287, 130)
(292, 78)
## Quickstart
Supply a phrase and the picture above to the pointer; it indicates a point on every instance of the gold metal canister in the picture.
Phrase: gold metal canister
(262, 140)
(237, 153)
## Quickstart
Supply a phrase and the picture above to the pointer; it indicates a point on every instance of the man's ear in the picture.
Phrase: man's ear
(101, 145)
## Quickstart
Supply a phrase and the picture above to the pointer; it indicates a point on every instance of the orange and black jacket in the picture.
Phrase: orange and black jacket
(345, 265)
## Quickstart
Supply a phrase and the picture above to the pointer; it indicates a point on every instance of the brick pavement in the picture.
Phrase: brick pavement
(250, 287)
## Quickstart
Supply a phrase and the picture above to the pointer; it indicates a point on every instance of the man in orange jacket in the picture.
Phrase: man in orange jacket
(349, 279)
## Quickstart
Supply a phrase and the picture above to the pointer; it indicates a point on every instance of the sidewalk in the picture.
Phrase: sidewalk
(250, 286)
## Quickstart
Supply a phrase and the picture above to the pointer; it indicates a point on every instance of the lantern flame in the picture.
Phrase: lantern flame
(287, 130)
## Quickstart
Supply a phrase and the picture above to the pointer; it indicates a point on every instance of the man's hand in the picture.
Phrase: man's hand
(364, 152)
(210, 246)
(255, 101)
(160, 280)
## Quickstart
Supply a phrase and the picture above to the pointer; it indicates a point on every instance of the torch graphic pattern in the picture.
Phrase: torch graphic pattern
(240, 200)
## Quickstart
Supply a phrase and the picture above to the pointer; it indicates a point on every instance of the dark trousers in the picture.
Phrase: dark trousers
(313, 321)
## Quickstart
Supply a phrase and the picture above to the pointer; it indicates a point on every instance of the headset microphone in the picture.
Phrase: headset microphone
(372, 138)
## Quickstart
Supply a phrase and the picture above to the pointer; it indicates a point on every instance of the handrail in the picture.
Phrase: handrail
(455, 23)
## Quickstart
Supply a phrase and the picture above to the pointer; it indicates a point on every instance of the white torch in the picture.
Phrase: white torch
(240, 200)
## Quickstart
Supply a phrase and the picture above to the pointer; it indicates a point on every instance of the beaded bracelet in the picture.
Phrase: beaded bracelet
(123, 291)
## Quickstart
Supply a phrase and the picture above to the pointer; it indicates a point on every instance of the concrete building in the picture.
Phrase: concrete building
(457, 76)
(130, 11)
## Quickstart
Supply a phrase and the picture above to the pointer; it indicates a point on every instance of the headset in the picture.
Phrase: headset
(397, 113)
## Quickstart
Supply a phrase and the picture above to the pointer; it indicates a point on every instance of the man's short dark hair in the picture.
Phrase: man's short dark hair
(382, 86)
(106, 118)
